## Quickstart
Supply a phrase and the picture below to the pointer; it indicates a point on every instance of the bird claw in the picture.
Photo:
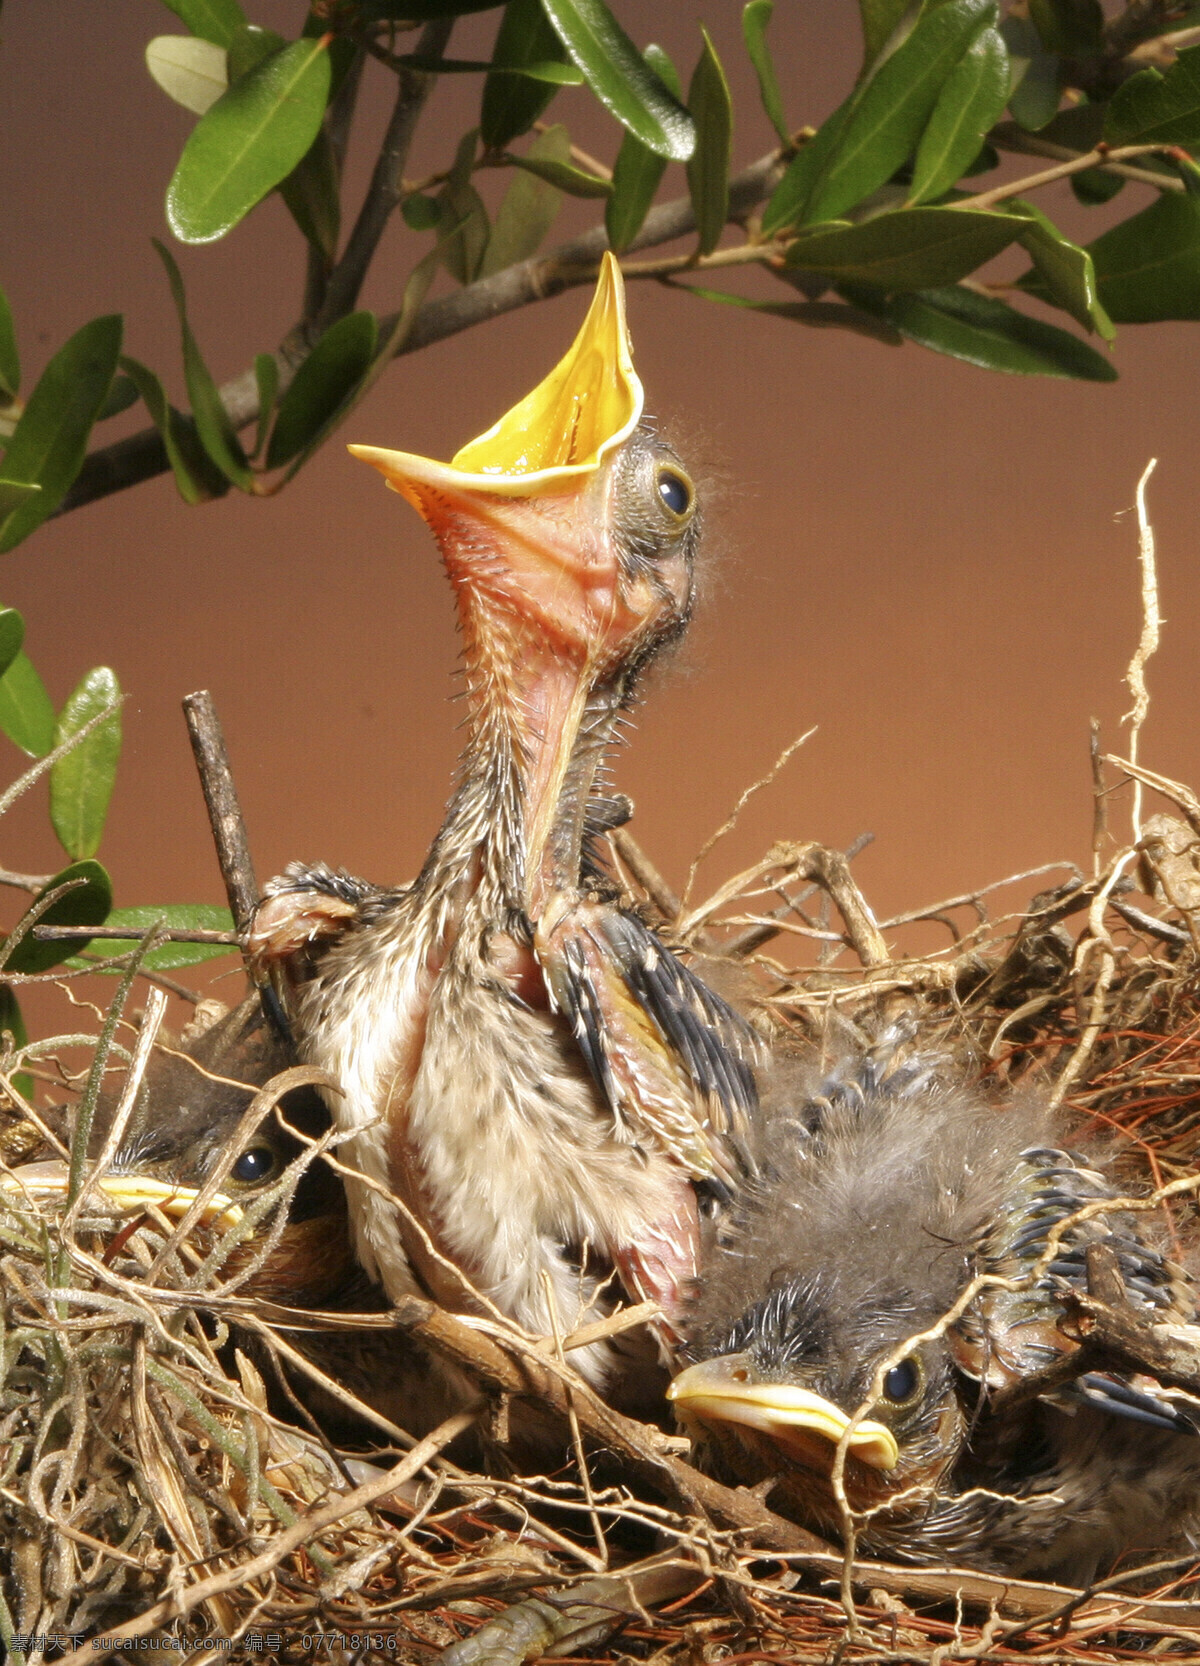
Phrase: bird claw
(302, 909)
(532, 1628)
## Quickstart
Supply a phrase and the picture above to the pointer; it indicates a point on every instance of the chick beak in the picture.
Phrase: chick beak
(515, 511)
(724, 1390)
(128, 1193)
(524, 519)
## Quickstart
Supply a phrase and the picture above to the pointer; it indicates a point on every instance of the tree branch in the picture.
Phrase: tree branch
(1011, 137)
(141, 456)
(386, 188)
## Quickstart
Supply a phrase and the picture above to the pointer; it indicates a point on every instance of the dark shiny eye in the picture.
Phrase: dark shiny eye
(675, 491)
(902, 1382)
(253, 1165)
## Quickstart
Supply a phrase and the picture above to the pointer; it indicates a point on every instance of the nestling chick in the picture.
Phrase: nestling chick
(545, 1089)
(833, 1289)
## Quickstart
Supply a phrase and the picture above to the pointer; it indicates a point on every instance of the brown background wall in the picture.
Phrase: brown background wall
(933, 564)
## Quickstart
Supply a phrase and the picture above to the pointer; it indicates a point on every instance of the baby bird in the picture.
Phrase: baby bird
(546, 1091)
(837, 1287)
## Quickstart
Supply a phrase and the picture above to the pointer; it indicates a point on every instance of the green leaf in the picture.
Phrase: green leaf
(190, 70)
(529, 208)
(972, 98)
(463, 227)
(12, 1021)
(177, 916)
(876, 129)
(251, 46)
(1095, 186)
(266, 380)
(15, 492)
(421, 213)
(1074, 28)
(756, 15)
(196, 476)
(311, 191)
(26, 715)
(1148, 267)
(323, 383)
(249, 141)
(1079, 127)
(512, 103)
(81, 783)
(576, 182)
(638, 170)
(1035, 94)
(121, 395)
(708, 166)
(12, 634)
(985, 332)
(86, 904)
(50, 440)
(1065, 270)
(214, 20)
(10, 362)
(620, 77)
(822, 314)
(880, 19)
(914, 248)
(216, 431)
(312, 197)
(1151, 108)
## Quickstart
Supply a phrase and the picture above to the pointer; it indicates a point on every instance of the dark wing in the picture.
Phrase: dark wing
(669, 1057)
(716, 1044)
(1010, 1334)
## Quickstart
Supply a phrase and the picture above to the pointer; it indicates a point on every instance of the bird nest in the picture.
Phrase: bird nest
(165, 1484)
(154, 1487)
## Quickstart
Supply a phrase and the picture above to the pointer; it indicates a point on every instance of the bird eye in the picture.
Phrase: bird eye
(253, 1165)
(675, 492)
(902, 1381)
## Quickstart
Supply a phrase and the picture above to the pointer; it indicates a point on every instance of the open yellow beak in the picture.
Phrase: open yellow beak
(132, 1193)
(558, 434)
(716, 1391)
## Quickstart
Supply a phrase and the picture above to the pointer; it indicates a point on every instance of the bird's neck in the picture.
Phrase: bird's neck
(538, 731)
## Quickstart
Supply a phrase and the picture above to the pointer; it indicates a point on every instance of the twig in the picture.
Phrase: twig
(827, 868)
(23, 782)
(744, 798)
(1011, 137)
(386, 189)
(645, 872)
(1176, 791)
(1135, 676)
(1099, 797)
(1097, 938)
(519, 1369)
(224, 811)
(755, 936)
(25, 881)
(156, 1007)
(183, 1601)
(1063, 170)
(121, 934)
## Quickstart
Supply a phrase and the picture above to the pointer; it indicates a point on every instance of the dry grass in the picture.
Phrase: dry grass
(147, 1487)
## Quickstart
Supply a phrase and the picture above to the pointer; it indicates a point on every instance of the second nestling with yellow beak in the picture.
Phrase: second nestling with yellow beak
(540, 1083)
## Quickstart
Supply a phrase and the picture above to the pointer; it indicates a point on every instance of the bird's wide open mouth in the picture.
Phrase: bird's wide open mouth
(128, 1193)
(715, 1391)
(557, 435)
